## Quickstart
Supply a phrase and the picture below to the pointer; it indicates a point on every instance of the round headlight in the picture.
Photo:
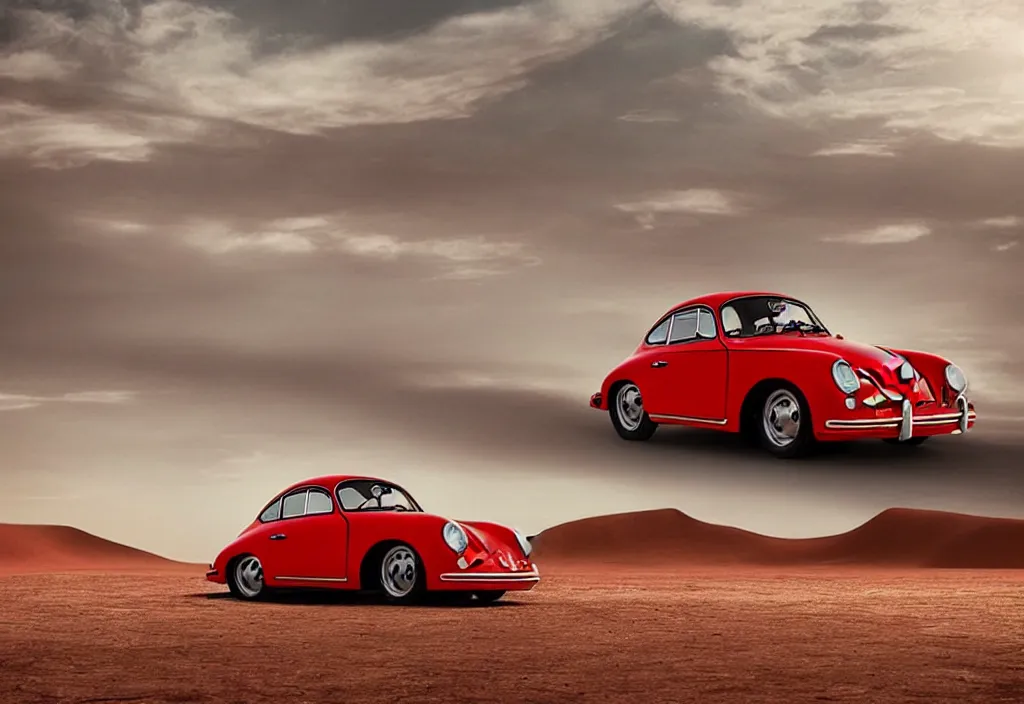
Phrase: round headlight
(906, 371)
(956, 378)
(455, 537)
(524, 544)
(844, 376)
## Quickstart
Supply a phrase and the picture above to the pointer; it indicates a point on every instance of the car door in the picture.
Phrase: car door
(688, 374)
(309, 542)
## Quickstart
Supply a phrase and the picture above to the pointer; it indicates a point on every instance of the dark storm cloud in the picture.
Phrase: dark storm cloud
(340, 20)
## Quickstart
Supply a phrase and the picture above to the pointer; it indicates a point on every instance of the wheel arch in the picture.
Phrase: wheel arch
(758, 394)
(369, 566)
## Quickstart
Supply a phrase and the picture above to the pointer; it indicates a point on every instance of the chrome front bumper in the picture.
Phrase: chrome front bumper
(906, 422)
(532, 575)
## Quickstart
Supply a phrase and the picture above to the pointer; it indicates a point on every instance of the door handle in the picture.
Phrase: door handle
(278, 536)
(659, 364)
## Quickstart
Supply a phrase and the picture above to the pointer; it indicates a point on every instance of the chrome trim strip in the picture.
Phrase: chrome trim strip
(688, 419)
(311, 579)
(531, 576)
(872, 423)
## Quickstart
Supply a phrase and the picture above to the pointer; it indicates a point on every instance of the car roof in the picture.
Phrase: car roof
(715, 300)
(329, 481)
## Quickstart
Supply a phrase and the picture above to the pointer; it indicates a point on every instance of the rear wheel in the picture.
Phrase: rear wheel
(785, 427)
(626, 410)
(245, 578)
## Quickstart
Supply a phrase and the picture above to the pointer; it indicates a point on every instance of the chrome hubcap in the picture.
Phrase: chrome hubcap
(398, 571)
(782, 418)
(630, 406)
(249, 576)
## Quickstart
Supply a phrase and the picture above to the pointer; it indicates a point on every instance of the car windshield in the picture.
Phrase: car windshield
(767, 315)
(374, 495)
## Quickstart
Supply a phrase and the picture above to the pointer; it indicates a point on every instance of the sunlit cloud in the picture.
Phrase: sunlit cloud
(863, 148)
(34, 65)
(17, 402)
(949, 67)
(696, 201)
(886, 234)
(649, 116)
(1003, 222)
(59, 140)
(329, 234)
(1005, 247)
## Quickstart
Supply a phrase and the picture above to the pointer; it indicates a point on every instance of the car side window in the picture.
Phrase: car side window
(659, 334)
(684, 327)
(272, 512)
(350, 499)
(294, 505)
(706, 325)
(319, 502)
(731, 321)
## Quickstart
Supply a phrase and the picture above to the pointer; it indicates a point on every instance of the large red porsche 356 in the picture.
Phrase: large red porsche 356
(764, 364)
(363, 533)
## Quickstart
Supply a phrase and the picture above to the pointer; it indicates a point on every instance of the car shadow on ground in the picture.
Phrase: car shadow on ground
(937, 453)
(331, 597)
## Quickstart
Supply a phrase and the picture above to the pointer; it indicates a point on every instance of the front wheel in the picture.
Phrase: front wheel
(627, 413)
(245, 579)
(401, 575)
(785, 427)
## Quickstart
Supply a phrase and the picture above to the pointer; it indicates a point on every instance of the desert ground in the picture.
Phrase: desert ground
(585, 634)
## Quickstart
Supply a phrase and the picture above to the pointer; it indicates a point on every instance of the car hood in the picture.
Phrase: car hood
(856, 353)
(487, 539)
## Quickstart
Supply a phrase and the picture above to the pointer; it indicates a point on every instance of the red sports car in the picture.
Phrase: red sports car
(354, 533)
(764, 364)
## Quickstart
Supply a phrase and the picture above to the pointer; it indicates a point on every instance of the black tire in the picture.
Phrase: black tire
(245, 578)
(490, 596)
(909, 442)
(400, 575)
(636, 428)
(785, 437)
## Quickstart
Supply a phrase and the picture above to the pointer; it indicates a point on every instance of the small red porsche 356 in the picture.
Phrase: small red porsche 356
(345, 532)
(763, 364)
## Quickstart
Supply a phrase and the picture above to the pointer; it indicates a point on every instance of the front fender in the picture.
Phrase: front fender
(810, 371)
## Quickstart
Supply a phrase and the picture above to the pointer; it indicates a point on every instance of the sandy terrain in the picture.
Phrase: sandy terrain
(41, 548)
(897, 537)
(702, 636)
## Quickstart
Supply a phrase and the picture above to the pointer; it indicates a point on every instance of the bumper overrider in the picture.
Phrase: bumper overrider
(905, 424)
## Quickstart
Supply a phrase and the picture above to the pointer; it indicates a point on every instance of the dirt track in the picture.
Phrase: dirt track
(710, 637)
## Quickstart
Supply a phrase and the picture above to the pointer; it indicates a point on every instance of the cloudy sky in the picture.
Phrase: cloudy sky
(244, 242)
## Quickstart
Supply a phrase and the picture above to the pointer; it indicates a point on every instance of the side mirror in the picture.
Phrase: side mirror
(839, 337)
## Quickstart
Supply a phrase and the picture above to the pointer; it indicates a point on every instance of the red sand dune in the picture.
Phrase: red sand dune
(897, 537)
(41, 548)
